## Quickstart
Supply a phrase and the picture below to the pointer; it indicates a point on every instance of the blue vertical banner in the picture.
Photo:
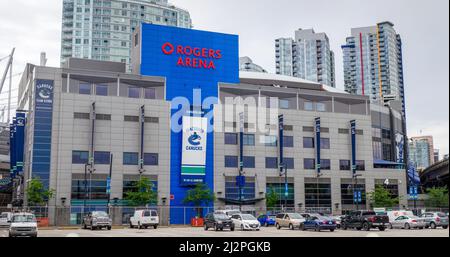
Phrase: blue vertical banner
(141, 152)
(281, 143)
(318, 146)
(19, 136)
(12, 152)
(42, 141)
(241, 142)
(353, 143)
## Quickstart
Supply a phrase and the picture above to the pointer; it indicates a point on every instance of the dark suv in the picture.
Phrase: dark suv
(218, 221)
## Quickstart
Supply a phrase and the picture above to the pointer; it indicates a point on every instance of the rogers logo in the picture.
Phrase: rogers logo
(168, 48)
(193, 57)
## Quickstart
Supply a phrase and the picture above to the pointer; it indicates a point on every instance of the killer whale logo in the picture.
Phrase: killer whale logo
(44, 93)
(194, 139)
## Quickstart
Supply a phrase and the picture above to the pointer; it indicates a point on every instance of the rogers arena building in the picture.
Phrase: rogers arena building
(92, 130)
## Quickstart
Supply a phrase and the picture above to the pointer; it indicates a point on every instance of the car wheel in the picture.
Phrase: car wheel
(155, 226)
(278, 226)
(206, 227)
(291, 227)
(242, 227)
(84, 225)
(331, 230)
(267, 225)
(420, 227)
(216, 228)
(407, 226)
(232, 228)
(92, 227)
(302, 227)
(444, 227)
(390, 226)
(366, 227)
(131, 225)
(344, 227)
(317, 229)
(433, 225)
(382, 228)
(108, 228)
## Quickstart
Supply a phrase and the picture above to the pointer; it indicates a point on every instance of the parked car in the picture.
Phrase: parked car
(5, 219)
(435, 219)
(318, 223)
(144, 219)
(229, 213)
(337, 220)
(365, 220)
(267, 220)
(246, 222)
(218, 221)
(408, 222)
(97, 219)
(289, 220)
(23, 224)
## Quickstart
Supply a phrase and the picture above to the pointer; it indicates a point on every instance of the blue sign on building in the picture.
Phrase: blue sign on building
(189, 60)
(42, 142)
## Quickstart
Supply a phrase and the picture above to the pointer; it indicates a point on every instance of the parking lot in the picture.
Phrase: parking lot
(264, 232)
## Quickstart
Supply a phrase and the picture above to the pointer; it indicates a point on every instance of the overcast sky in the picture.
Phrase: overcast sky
(33, 26)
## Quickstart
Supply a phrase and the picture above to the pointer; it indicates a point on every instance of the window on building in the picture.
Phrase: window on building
(289, 162)
(344, 131)
(81, 116)
(102, 158)
(130, 158)
(344, 165)
(360, 165)
(324, 143)
(271, 163)
(150, 93)
(85, 89)
(231, 161)
(231, 138)
(284, 104)
(309, 106)
(309, 164)
(325, 164)
(269, 141)
(151, 159)
(280, 190)
(347, 193)
(94, 190)
(318, 195)
(288, 141)
(100, 116)
(151, 119)
(128, 118)
(249, 162)
(134, 92)
(308, 129)
(101, 90)
(80, 157)
(232, 189)
(249, 139)
(308, 142)
(321, 107)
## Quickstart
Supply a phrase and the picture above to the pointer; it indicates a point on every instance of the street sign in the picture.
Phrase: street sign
(413, 192)
(359, 197)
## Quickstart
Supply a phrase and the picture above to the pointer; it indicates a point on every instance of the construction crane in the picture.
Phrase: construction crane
(2, 82)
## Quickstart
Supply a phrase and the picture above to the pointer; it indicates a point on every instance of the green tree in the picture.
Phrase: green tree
(143, 195)
(437, 197)
(37, 194)
(381, 197)
(272, 198)
(198, 196)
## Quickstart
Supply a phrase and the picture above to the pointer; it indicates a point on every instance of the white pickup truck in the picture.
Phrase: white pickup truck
(144, 219)
(23, 224)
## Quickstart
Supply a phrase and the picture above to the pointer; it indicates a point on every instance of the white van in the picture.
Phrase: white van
(229, 213)
(144, 219)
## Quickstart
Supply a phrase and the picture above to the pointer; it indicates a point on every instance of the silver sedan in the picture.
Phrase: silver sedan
(408, 222)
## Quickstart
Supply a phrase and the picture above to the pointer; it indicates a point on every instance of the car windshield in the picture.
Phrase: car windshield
(441, 214)
(248, 217)
(220, 216)
(100, 214)
(3, 216)
(231, 213)
(369, 213)
(272, 217)
(295, 216)
(23, 218)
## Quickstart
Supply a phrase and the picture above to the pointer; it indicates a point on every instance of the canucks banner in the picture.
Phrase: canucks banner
(193, 163)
